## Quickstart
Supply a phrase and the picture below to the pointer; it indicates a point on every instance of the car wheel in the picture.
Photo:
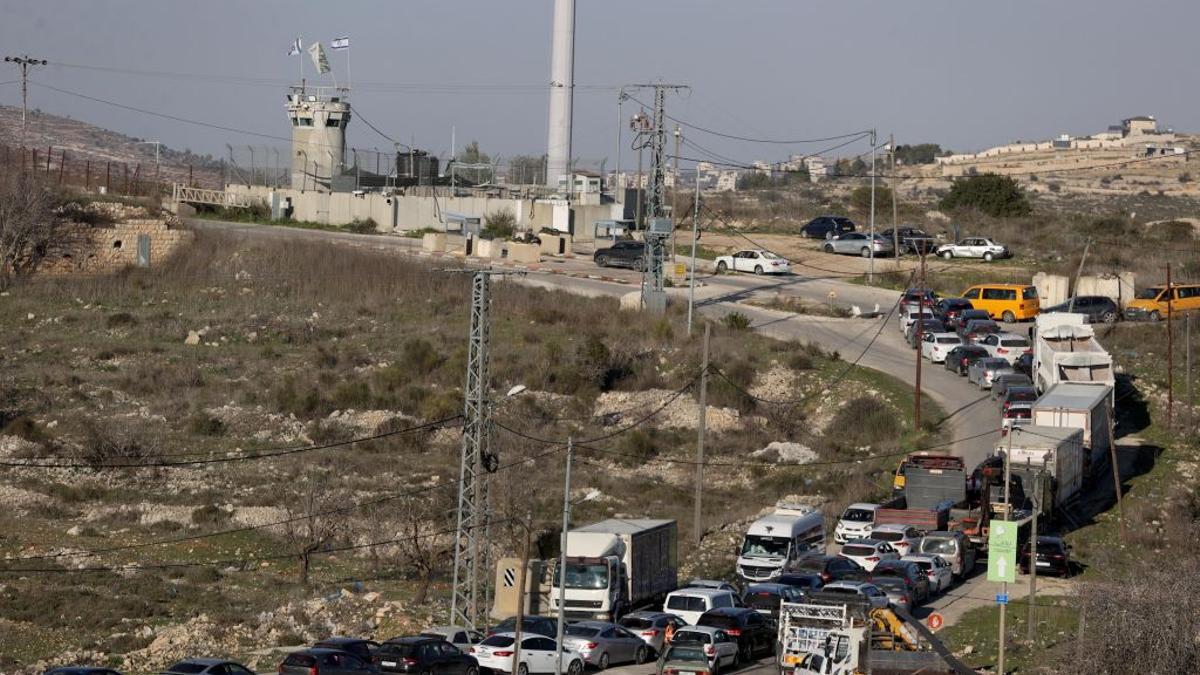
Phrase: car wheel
(828, 248)
(522, 669)
(737, 658)
(641, 656)
(722, 267)
(865, 252)
(747, 653)
(639, 264)
(602, 261)
(989, 256)
(1008, 317)
(603, 663)
(471, 670)
(576, 668)
(1109, 317)
(947, 254)
(1155, 316)
(758, 270)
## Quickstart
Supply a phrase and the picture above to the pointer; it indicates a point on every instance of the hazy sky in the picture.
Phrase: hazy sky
(963, 73)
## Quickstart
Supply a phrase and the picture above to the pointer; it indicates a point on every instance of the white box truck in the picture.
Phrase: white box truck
(1056, 451)
(1078, 405)
(1065, 350)
(779, 539)
(615, 566)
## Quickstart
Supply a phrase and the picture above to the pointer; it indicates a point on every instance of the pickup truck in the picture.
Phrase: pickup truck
(912, 240)
(624, 253)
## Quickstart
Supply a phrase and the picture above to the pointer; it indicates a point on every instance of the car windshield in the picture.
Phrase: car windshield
(1019, 413)
(585, 576)
(1049, 547)
(1029, 293)
(770, 256)
(1014, 342)
(757, 545)
(685, 654)
(581, 631)
(948, 341)
(893, 583)
(188, 668)
(719, 621)
(855, 549)
(887, 536)
(499, 641)
(1149, 293)
(691, 637)
(686, 603)
(925, 565)
(859, 515)
(937, 545)
(636, 622)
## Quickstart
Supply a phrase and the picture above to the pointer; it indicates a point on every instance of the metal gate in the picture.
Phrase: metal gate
(143, 250)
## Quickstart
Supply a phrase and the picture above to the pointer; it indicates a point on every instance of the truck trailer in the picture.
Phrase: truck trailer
(615, 566)
(1065, 350)
(1055, 453)
(1084, 406)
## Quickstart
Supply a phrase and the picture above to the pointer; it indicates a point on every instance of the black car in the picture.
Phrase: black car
(208, 667)
(829, 567)
(909, 571)
(539, 625)
(806, 582)
(969, 314)
(81, 670)
(321, 661)
(822, 227)
(1005, 381)
(927, 326)
(1097, 308)
(1017, 394)
(359, 647)
(625, 253)
(961, 357)
(912, 239)
(423, 655)
(1024, 364)
(949, 309)
(766, 598)
(755, 633)
(1053, 555)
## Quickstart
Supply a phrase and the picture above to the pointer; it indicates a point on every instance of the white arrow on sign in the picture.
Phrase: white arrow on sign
(1001, 564)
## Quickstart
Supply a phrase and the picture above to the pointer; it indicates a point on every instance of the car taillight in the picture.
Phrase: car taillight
(904, 598)
(709, 650)
(410, 662)
(652, 633)
(873, 558)
(1058, 556)
(471, 650)
(670, 671)
(826, 577)
(279, 669)
(591, 645)
(313, 671)
(502, 654)
(964, 361)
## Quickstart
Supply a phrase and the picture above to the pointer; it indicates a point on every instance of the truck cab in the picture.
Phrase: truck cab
(776, 540)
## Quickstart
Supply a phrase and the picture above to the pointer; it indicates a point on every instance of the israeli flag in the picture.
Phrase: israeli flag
(340, 43)
(296, 48)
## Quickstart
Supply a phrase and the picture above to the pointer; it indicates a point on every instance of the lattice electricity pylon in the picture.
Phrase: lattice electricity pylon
(477, 461)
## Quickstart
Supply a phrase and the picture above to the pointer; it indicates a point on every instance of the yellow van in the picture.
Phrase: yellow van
(1010, 302)
(1151, 303)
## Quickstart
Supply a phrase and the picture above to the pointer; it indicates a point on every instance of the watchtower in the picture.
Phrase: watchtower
(319, 116)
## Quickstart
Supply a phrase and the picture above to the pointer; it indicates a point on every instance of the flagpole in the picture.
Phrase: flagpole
(300, 53)
(348, 78)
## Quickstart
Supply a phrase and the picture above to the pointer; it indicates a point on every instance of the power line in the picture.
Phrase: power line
(226, 460)
(250, 528)
(798, 141)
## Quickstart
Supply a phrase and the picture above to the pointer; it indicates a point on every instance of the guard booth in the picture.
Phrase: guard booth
(507, 585)
(468, 226)
(613, 229)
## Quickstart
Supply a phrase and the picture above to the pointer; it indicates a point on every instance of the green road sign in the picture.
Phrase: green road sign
(1002, 551)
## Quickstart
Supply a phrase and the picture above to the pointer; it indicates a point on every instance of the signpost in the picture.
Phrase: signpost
(934, 621)
(1002, 552)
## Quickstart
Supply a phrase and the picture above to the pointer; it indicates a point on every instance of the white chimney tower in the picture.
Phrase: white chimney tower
(562, 91)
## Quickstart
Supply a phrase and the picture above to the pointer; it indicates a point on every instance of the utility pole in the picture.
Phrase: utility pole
(695, 236)
(1170, 355)
(1033, 535)
(476, 462)
(23, 62)
(618, 184)
(871, 246)
(698, 522)
(562, 555)
(1008, 517)
(1187, 356)
(675, 187)
(920, 335)
(1079, 273)
(516, 658)
(895, 183)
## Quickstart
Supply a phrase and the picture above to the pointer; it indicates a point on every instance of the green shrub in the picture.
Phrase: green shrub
(203, 425)
(736, 321)
(120, 320)
(1111, 227)
(1174, 231)
(864, 421)
(499, 225)
(210, 514)
(367, 226)
(998, 196)
(352, 394)
(26, 428)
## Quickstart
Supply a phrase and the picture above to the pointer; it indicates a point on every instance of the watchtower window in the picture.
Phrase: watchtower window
(333, 121)
(305, 121)
(295, 122)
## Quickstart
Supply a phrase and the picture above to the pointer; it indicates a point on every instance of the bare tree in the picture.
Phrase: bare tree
(315, 522)
(424, 538)
(28, 224)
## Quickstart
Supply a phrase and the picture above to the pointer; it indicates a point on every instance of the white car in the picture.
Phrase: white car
(973, 247)
(537, 655)
(856, 522)
(903, 538)
(936, 570)
(756, 260)
(720, 648)
(907, 319)
(1007, 346)
(868, 552)
(876, 597)
(935, 346)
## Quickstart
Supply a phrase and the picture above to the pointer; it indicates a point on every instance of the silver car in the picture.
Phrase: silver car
(983, 371)
(974, 247)
(651, 626)
(876, 597)
(720, 648)
(601, 643)
(858, 243)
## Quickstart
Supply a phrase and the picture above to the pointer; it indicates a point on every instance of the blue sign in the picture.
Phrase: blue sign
(1002, 598)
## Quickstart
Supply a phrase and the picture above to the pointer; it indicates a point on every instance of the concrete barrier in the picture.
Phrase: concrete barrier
(556, 244)
(488, 248)
(1052, 288)
(523, 253)
(434, 242)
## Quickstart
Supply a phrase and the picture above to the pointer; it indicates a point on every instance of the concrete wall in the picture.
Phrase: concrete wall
(1119, 287)
(98, 250)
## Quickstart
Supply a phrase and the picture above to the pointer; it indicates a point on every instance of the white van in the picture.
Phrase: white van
(689, 603)
(856, 522)
(779, 539)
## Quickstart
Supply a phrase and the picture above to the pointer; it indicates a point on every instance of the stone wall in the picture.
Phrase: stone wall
(99, 250)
